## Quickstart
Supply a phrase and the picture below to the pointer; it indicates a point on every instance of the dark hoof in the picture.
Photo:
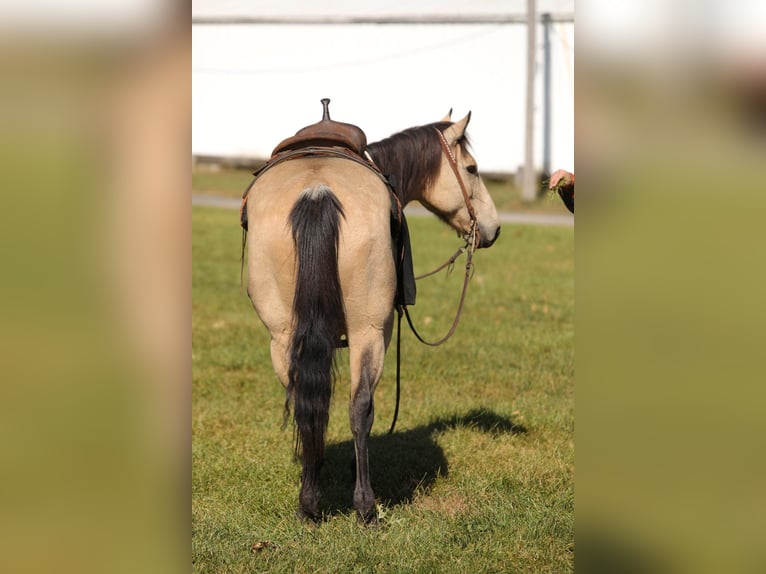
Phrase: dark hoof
(369, 518)
(309, 518)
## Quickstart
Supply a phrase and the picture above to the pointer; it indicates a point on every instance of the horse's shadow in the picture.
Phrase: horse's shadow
(402, 463)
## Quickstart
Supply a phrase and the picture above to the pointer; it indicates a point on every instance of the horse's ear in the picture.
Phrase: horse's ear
(448, 117)
(456, 130)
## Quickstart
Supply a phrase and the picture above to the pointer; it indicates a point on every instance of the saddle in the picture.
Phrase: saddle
(326, 133)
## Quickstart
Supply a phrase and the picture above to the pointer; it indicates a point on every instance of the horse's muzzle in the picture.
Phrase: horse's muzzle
(485, 241)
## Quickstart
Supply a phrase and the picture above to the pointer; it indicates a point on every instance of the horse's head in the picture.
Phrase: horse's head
(457, 194)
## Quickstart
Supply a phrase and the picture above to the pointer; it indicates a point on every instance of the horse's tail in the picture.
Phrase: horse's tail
(318, 316)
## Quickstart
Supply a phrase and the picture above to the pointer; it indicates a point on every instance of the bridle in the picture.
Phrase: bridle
(474, 238)
(473, 234)
(470, 246)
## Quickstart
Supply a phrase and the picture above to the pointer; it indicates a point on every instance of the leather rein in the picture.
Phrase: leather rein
(470, 246)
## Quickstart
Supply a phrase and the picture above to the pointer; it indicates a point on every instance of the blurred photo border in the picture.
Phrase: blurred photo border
(95, 305)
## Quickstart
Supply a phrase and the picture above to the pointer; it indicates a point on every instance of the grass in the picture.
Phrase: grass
(478, 476)
(222, 181)
(232, 182)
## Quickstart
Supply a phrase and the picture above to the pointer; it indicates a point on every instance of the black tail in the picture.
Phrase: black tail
(319, 319)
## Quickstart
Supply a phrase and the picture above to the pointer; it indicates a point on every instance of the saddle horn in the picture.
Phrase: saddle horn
(326, 110)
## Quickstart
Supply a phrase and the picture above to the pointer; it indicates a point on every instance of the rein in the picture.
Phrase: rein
(458, 314)
(448, 264)
(473, 241)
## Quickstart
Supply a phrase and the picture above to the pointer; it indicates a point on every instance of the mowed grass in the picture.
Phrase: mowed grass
(479, 475)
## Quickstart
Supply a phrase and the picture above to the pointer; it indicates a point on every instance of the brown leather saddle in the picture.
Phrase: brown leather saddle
(326, 138)
(326, 133)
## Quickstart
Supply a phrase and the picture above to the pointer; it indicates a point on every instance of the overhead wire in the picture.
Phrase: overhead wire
(355, 63)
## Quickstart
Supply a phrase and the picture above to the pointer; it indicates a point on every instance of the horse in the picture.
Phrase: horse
(320, 266)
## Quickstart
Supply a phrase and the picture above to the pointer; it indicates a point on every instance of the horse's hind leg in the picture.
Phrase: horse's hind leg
(280, 358)
(308, 498)
(366, 368)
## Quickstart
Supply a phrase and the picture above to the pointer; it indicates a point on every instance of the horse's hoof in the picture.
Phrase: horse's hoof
(369, 518)
(306, 517)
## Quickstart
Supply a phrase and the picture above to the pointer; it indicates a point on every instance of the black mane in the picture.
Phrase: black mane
(411, 158)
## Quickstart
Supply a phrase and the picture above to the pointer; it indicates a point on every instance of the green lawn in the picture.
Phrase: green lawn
(479, 475)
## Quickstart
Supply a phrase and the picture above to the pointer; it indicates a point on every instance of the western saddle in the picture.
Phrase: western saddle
(326, 133)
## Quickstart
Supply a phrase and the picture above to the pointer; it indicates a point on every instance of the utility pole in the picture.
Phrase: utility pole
(529, 184)
(546, 20)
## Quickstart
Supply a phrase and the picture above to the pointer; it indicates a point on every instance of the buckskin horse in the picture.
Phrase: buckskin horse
(322, 264)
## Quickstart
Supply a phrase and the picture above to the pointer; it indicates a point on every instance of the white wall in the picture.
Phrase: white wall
(254, 85)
